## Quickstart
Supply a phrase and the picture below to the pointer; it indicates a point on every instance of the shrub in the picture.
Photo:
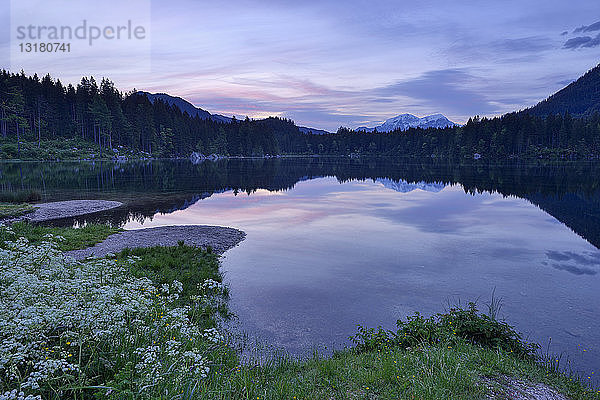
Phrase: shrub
(450, 328)
(9, 150)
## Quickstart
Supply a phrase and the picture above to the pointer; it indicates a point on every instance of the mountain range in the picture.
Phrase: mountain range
(581, 98)
(193, 111)
(185, 106)
(403, 122)
(403, 186)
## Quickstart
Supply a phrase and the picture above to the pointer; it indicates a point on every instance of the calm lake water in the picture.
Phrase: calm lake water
(332, 243)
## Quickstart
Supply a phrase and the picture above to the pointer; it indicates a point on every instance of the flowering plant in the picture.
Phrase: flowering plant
(68, 327)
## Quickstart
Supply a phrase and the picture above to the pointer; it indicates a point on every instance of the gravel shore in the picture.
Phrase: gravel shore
(219, 238)
(68, 209)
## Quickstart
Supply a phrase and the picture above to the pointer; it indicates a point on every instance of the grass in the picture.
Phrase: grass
(189, 265)
(74, 238)
(14, 210)
(459, 354)
(432, 372)
(61, 149)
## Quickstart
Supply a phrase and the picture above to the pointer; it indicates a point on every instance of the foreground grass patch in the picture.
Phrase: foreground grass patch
(429, 372)
(74, 238)
(8, 210)
(460, 354)
(192, 266)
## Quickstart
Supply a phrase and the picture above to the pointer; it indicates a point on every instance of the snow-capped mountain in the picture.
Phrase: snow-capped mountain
(403, 186)
(405, 121)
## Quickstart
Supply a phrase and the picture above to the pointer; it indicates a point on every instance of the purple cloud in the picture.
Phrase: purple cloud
(446, 90)
(588, 28)
(331, 63)
(582, 42)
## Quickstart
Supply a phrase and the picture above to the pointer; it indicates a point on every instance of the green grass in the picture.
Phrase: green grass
(60, 149)
(434, 372)
(14, 210)
(460, 354)
(189, 265)
(75, 238)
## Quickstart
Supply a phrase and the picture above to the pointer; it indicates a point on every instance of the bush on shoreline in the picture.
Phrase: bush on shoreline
(456, 326)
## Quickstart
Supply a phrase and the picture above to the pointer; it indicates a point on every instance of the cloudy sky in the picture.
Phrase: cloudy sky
(326, 63)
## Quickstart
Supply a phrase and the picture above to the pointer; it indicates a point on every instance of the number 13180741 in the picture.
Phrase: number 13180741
(45, 47)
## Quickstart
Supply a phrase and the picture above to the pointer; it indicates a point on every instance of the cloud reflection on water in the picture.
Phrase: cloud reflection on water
(327, 255)
(586, 263)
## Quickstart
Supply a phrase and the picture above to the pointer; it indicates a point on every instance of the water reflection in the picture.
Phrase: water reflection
(569, 192)
(324, 256)
(587, 263)
(332, 243)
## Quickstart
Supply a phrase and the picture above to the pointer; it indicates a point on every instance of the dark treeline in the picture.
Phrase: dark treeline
(34, 109)
(512, 135)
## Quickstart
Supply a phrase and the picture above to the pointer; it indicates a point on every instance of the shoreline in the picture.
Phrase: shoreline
(50, 211)
(219, 238)
(67, 209)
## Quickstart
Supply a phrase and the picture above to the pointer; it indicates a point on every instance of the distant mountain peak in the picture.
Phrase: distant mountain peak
(403, 122)
(403, 186)
(432, 116)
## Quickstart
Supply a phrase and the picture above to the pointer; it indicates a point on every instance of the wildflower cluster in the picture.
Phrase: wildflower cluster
(66, 324)
(210, 297)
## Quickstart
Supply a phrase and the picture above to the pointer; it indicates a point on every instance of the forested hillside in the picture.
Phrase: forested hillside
(34, 110)
(580, 98)
(512, 135)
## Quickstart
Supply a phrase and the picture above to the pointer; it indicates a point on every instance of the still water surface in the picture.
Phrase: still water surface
(333, 244)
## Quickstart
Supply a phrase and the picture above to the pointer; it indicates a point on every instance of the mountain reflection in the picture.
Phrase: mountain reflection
(569, 192)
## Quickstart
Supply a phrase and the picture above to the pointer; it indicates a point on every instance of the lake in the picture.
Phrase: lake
(332, 243)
